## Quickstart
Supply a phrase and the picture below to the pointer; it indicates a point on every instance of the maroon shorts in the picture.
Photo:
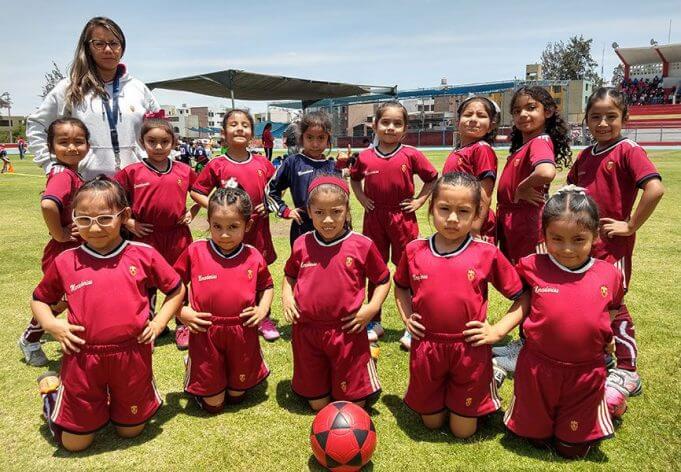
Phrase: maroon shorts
(260, 237)
(557, 399)
(106, 383)
(620, 257)
(170, 243)
(488, 231)
(391, 229)
(451, 374)
(519, 232)
(328, 361)
(53, 249)
(227, 356)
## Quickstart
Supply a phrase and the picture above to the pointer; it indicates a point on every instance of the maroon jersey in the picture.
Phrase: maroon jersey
(223, 284)
(62, 185)
(107, 294)
(569, 318)
(159, 198)
(477, 159)
(331, 277)
(520, 165)
(252, 175)
(388, 178)
(612, 178)
(450, 289)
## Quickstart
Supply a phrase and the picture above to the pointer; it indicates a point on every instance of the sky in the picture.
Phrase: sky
(411, 44)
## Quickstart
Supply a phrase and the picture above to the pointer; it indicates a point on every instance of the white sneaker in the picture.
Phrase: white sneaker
(511, 349)
(625, 381)
(374, 331)
(405, 340)
(499, 375)
(33, 353)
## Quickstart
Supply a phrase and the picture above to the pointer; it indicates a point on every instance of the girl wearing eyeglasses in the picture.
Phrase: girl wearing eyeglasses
(106, 371)
(100, 92)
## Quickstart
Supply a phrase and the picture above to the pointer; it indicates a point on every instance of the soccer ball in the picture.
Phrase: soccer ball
(343, 437)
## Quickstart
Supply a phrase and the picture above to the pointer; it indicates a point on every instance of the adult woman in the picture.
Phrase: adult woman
(268, 141)
(101, 93)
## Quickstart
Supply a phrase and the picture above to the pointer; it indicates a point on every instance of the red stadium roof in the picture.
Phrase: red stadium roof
(650, 54)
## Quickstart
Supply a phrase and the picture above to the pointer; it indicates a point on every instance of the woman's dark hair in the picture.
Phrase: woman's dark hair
(157, 123)
(492, 112)
(457, 179)
(312, 119)
(224, 197)
(114, 195)
(555, 126)
(234, 111)
(52, 129)
(573, 203)
(617, 97)
(392, 104)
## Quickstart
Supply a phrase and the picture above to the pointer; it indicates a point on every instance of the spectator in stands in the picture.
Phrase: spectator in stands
(22, 148)
(268, 141)
(291, 138)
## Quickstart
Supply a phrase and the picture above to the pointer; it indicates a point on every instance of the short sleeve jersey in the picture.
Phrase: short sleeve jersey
(449, 290)
(107, 293)
(62, 184)
(477, 159)
(223, 284)
(157, 197)
(252, 175)
(520, 165)
(569, 318)
(388, 178)
(331, 276)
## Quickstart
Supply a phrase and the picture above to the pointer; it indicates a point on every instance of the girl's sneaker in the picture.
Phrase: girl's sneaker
(511, 349)
(374, 331)
(624, 380)
(268, 330)
(182, 337)
(33, 353)
(405, 341)
(616, 400)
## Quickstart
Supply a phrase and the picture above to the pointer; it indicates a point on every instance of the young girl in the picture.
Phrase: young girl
(388, 192)
(231, 293)
(612, 171)
(323, 296)
(268, 141)
(478, 120)
(68, 141)
(106, 372)
(157, 189)
(240, 168)
(297, 171)
(539, 143)
(440, 285)
(559, 388)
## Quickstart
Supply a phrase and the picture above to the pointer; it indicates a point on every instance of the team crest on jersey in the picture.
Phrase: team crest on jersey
(343, 386)
(242, 378)
(179, 181)
(231, 183)
(133, 409)
(250, 274)
(471, 274)
(404, 168)
(348, 261)
(604, 291)
(260, 173)
(574, 425)
(469, 401)
(133, 270)
(610, 165)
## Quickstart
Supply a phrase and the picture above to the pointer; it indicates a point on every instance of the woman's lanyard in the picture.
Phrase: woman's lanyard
(112, 118)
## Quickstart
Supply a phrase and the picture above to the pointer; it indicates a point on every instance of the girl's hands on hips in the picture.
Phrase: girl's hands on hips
(414, 326)
(529, 194)
(254, 317)
(480, 333)
(64, 333)
(139, 229)
(261, 210)
(410, 205)
(295, 215)
(152, 330)
(196, 321)
(367, 203)
(358, 321)
(611, 228)
(291, 312)
(68, 233)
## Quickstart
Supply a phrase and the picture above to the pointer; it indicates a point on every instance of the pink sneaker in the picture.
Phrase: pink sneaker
(268, 330)
(616, 400)
(182, 338)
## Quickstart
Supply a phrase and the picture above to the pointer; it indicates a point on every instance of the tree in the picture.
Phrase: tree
(617, 76)
(570, 61)
(51, 79)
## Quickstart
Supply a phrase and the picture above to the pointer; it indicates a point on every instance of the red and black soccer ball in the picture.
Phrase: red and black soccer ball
(343, 437)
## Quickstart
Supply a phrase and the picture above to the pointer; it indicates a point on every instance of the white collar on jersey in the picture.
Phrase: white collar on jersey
(220, 253)
(113, 253)
(338, 240)
(390, 154)
(462, 247)
(231, 159)
(154, 169)
(579, 270)
(609, 148)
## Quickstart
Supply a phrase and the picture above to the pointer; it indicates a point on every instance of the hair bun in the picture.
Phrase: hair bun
(571, 188)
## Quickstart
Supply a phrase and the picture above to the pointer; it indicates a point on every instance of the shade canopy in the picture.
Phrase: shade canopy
(242, 85)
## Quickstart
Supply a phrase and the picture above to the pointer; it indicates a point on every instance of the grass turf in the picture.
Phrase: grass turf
(270, 431)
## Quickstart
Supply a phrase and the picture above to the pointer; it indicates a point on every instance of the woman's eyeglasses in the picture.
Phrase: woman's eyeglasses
(100, 45)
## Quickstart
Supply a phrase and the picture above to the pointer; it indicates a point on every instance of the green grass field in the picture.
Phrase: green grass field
(270, 431)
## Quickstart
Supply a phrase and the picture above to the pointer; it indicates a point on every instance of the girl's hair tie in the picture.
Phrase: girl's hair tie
(329, 179)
